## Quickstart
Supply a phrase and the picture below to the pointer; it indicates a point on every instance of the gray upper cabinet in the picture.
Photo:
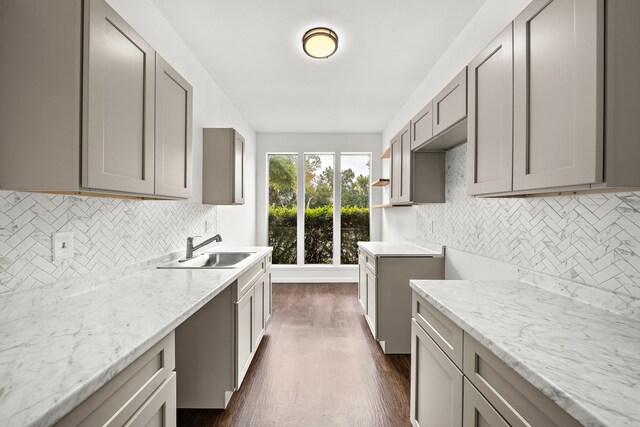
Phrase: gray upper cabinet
(450, 105)
(490, 121)
(396, 167)
(174, 116)
(404, 140)
(422, 126)
(78, 105)
(416, 177)
(572, 126)
(442, 123)
(558, 94)
(118, 142)
(223, 155)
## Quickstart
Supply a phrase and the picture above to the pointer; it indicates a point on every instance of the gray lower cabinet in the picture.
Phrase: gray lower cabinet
(79, 109)
(385, 295)
(494, 395)
(574, 84)
(223, 167)
(477, 412)
(144, 393)
(216, 345)
(436, 384)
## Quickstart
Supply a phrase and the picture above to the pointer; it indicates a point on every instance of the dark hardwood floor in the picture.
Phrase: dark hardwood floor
(317, 365)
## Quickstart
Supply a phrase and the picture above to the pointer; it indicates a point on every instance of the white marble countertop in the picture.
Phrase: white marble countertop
(400, 249)
(585, 359)
(55, 355)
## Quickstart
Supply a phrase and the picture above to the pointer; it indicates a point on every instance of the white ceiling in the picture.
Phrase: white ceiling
(253, 49)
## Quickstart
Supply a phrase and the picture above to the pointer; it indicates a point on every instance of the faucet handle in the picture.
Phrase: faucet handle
(194, 237)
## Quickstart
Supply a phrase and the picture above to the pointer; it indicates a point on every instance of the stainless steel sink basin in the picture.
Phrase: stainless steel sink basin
(211, 260)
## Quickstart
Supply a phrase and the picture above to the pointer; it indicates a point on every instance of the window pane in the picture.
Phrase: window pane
(318, 213)
(354, 215)
(283, 222)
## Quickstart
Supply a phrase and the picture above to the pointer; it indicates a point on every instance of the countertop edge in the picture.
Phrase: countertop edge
(545, 386)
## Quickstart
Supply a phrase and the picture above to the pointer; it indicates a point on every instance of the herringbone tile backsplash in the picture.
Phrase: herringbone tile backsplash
(108, 233)
(593, 239)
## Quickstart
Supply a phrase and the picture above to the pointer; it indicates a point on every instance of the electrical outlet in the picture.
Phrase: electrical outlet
(62, 245)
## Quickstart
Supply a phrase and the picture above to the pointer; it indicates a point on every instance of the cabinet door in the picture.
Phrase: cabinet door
(490, 120)
(258, 315)
(267, 298)
(160, 409)
(174, 118)
(371, 302)
(450, 105)
(477, 411)
(244, 335)
(238, 170)
(436, 384)
(119, 93)
(362, 285)
(396, 166)
(422, 127)
(558, 94)
(405, 165)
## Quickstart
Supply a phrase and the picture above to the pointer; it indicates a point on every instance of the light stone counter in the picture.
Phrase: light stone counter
(400, 249)
(585, 359)
(55, 355)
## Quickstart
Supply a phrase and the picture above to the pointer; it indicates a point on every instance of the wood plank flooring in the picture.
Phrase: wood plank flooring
(317, 365)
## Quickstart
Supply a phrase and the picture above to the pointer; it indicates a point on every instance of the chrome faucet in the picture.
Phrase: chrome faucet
(191, 248)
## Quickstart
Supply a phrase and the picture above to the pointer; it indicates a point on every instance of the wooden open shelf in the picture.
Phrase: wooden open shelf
(386, 154)
(387, 205)
(381, 182)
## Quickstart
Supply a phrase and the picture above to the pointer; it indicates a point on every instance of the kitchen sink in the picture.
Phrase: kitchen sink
(211, 260)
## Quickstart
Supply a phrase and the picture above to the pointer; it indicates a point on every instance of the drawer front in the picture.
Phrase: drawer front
(436, 384)
(248, 279)
(477, 412)
(443, 331)
(450, 105)
(519, 402)
(269, 260)
(118, 400)
(369, 260)
(160, 409)
(422, 127)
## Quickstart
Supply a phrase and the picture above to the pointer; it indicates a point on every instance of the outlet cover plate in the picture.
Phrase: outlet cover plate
(62, 245)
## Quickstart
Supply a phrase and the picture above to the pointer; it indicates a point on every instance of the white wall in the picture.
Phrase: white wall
(211, 108)
(490, 19)
(315, 142)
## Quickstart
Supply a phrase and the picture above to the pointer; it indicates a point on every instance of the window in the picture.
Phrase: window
(336, 192)
(283, 212)
(354, 205)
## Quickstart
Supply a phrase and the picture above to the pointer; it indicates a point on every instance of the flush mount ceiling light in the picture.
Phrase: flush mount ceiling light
(320, 42)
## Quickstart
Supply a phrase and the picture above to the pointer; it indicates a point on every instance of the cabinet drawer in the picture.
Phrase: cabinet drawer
(477, 412)
(422, 127)
(450, 105)
(160, 409)
(248, 279)
(369, 260)
(443, 331)
(519, 402)
(118, 400)
(269, 260)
